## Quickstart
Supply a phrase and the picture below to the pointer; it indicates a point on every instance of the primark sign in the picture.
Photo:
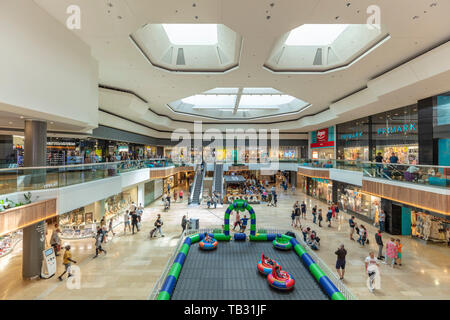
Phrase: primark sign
(397, 129)
(350, 136)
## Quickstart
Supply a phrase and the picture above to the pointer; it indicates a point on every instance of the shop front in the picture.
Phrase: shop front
(321, 189)
(353, 200)
(322, 144)
(430, 226)
(352, 141)
(396, 132)
(9, 241)
(82, 222)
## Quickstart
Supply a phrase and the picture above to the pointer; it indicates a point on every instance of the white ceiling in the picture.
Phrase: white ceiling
(106, 30)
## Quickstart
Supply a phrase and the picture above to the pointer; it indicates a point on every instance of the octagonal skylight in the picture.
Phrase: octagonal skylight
(189, 47)
(315, 34)
(239, 103)
(191, 34)
(321, 48)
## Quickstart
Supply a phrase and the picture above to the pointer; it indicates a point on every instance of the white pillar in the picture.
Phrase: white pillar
(140, 193)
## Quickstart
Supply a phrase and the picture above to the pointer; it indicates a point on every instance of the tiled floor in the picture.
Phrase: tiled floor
(134, 262)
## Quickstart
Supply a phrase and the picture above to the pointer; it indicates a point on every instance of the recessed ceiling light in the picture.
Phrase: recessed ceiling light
(315, 34)
(51, 122)
(191, 34)
(10, 122)
(21, 117)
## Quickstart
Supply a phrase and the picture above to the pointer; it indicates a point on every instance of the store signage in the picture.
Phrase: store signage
(322, 135)
(60, 143)
(397, 129)
(349, 136)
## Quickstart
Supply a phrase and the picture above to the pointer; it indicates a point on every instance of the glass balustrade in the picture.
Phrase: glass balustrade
(38, 178)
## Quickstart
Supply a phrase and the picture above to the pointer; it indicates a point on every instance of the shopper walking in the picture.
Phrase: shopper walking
(303, 207)
(175, 194)
(110, 227)
(181, 195)
(336, 211)
(329, 216)
(391, 252)
(379, 241)
(352, 225)
(340, 262)
(362, 235)
(373, 272)
(55, 240)
(293, 218)
(319, 217)
(399, 252)
(314, 213)
(140, 212)
(237, 222)
(134, 221)
(99, 239)
(126, 221)
(184, 222)
(158, 227)
(67, 260)
(382, 219)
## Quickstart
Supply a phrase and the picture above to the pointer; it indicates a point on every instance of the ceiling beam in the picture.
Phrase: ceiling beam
(238, 100)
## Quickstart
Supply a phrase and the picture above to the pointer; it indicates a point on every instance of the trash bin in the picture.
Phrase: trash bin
(194, 223)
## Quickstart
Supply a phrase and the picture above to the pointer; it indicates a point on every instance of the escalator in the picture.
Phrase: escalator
(197, 187)
(217, 186)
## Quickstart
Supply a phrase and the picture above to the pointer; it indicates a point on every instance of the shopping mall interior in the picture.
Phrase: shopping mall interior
(224, 150)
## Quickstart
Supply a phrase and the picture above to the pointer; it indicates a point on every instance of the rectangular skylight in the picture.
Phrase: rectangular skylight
(191, 34)
(315, 34)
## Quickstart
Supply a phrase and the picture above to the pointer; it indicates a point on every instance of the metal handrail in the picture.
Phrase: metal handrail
(326, 270)
(331, 275)
(157, 287)
(191, 194)
(82, 165)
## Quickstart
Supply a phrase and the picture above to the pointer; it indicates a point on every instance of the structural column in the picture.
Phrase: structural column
(34, 236)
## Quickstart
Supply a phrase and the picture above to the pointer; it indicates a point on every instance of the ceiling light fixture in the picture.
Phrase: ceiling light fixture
(315, 34)
(191, 34)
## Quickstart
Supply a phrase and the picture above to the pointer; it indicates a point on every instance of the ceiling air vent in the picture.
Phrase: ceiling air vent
(318, 57)
(180, 57)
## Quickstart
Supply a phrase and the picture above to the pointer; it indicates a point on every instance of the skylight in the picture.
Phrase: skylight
(315, 34)
(213, 100)
(239, 103)
(264, 100)
(191, 34)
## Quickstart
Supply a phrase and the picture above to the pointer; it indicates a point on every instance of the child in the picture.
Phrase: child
(293, 218)
(67, 259)
(207, 237)
(243, 223)
(399, 252)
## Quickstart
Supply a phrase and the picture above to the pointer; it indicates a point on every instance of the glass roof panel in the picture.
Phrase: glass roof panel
(261, 90)
(315, 34)
(201, 100)
(191, 34)
(249, 101)
(222, 90)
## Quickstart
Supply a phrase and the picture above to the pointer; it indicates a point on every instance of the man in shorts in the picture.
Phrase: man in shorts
(340, 262)
(352, 225)
(238, 220)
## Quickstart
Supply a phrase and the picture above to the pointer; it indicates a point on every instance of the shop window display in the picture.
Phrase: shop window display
(352, 199)
(77, 224)
(428, 227)
(9, 241)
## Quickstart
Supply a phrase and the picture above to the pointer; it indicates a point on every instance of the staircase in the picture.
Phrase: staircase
(218, 180)
(197, 187)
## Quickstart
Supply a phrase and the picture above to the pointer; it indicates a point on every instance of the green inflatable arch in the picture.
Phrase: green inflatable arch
(240, 205)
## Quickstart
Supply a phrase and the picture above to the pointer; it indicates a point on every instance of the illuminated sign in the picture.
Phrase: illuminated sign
(397, 129)
(353, 135)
